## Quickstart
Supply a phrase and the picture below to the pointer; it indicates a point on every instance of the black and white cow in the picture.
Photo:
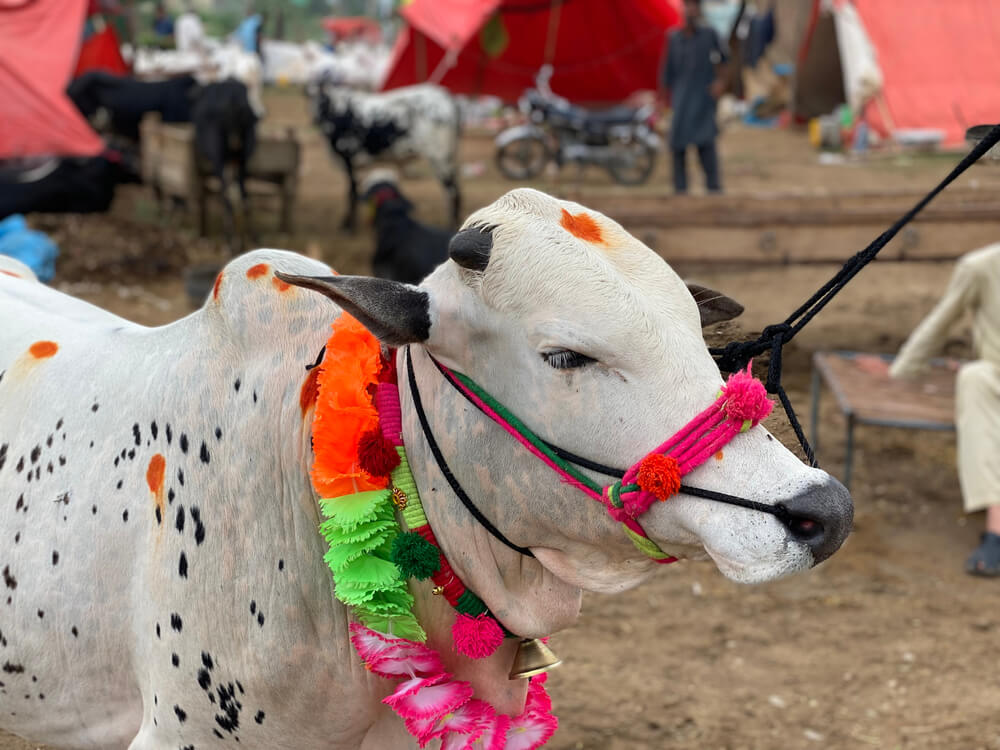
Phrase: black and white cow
(163, 580)
(393, 126)
(223, 113)
(225, 132)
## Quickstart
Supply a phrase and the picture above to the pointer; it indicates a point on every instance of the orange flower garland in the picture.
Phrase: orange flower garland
(344, 410)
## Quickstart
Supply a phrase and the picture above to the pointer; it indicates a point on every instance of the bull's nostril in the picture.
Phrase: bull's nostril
(820, 517)
(805, 528)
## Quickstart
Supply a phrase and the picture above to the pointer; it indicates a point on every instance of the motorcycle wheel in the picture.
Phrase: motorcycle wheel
(522, 159)
(635, 163)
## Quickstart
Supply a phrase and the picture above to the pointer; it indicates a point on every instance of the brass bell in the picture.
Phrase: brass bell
(533, 657)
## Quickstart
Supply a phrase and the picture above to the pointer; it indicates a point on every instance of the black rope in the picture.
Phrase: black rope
(443, 465)
(778, 509)
(737, 354)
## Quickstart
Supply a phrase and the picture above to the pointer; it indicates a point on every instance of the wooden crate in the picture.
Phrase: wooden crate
(171, 167)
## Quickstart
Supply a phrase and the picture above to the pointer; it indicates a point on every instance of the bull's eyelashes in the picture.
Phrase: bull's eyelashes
(471, 247)
(566, 359)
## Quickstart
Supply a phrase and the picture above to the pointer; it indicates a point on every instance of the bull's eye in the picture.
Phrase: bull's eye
(565, 359)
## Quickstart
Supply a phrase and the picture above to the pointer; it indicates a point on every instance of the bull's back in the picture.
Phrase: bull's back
(134, 464)
(68, 519)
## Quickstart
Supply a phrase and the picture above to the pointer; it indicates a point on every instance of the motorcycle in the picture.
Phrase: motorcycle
(622, 140)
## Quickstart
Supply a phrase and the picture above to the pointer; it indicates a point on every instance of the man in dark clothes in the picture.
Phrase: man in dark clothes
(693, 71)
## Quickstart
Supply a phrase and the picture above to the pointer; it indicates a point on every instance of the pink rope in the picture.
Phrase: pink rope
(390, 417)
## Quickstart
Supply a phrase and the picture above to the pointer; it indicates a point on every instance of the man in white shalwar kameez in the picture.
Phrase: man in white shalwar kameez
(975, 289)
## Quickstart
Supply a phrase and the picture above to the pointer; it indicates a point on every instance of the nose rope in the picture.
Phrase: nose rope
(740, 405)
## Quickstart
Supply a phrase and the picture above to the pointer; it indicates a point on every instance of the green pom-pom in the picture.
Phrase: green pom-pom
(415, 556)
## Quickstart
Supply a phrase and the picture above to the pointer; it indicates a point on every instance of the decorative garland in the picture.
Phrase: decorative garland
(362, 475)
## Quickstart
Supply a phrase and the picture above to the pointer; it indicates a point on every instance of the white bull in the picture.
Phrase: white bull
(163, 577)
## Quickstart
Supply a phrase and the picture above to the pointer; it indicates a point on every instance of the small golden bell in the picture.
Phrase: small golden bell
(533, 657)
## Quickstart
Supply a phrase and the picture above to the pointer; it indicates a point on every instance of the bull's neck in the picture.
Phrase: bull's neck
(489, 676)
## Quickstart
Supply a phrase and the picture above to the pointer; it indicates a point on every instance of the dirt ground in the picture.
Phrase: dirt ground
(887, 645)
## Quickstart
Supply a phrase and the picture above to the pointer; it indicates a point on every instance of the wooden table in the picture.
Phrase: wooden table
(870, 399)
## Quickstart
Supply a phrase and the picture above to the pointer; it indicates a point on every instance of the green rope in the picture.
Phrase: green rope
(528, 434)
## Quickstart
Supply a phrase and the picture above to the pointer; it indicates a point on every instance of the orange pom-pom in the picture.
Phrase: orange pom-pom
(660, 476)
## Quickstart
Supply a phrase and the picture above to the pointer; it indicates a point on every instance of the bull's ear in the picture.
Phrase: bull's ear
(713, 306)
(396, 313)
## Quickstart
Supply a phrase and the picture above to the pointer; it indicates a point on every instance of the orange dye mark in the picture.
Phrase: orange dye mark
(216, 285)
(280, 285)
(310, 390)
(154, 474)
(11, 273)
(43, 349)
(583, 226)
(718, 456)
(154, 478)
(255, 272)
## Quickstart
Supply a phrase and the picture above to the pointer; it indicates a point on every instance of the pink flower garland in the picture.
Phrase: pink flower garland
(434, 706)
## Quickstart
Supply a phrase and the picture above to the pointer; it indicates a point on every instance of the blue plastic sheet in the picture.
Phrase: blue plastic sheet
(33, 248)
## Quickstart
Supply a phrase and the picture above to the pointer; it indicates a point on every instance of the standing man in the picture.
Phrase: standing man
(189, 34)
(693, 73)
(163, 26)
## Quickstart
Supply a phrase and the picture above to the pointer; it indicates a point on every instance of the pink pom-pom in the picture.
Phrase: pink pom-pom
(476, 637)
(746, 398)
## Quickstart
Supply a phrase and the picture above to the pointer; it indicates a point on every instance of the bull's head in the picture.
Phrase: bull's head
(595, 343)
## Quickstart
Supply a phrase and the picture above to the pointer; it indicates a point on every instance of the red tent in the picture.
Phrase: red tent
(101, 50)
(918, 64)
(351, 27)
(39, 40)
(600, 51)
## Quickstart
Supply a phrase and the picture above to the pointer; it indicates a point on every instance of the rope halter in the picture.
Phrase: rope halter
(742, 403)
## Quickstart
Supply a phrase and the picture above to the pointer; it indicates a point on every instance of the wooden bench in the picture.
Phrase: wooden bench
(869, 399)
(170, 166)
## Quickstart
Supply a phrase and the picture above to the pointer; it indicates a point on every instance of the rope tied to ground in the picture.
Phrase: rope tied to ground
(736, 355)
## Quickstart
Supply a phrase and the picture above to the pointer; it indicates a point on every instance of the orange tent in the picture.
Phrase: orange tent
(39, 41)
(913, 65)
(600, 51)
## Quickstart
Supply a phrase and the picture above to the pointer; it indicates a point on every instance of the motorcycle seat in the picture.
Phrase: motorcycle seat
(594, 118)
(613, 116)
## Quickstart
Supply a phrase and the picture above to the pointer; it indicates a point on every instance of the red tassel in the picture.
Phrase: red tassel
(387, 368)
(376, 455)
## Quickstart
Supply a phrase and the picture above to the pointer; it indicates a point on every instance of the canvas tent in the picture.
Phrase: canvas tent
(39, 43)
(101, 48)
(906, 65)
(600, 51)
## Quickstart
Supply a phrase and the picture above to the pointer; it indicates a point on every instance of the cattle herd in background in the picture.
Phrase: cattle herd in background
(220, 94)
(223, 103)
